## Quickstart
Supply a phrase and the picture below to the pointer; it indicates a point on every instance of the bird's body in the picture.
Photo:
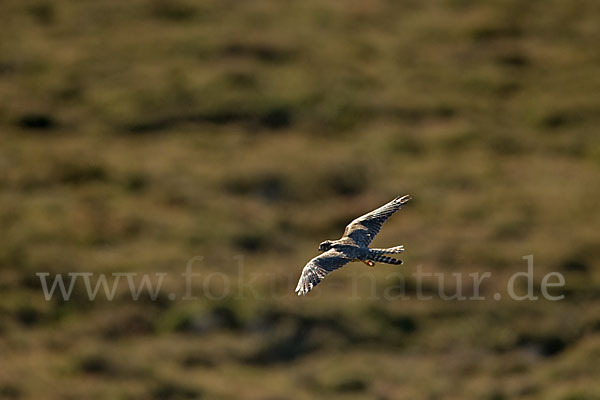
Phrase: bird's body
(352, 246)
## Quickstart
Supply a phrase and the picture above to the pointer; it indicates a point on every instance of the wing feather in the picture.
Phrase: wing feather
(364, 228)
(317, 269)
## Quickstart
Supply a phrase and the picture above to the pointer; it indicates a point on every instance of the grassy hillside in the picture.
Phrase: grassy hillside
(136, 135)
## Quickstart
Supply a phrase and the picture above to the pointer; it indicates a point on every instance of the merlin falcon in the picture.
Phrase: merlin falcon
(353, 246)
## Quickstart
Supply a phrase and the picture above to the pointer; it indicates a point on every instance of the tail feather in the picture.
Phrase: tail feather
(391, 250)
(384, 259)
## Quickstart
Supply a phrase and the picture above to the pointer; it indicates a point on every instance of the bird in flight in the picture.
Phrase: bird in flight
(353, 246)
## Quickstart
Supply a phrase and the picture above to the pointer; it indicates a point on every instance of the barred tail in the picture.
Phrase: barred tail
(384, 259)
(391, 250)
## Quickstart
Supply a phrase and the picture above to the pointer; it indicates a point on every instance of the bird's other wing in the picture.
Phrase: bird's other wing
(364, 229)
(317, 269)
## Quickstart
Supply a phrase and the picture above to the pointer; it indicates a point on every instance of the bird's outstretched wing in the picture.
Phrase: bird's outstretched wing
(317, 269)
(364, 229)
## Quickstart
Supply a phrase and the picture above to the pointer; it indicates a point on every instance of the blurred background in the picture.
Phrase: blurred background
(135, 135)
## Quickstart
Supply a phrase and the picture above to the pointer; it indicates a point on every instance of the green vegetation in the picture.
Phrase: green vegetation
(135, 135)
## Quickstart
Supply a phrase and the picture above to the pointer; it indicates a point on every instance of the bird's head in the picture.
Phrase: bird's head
(326, 245)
